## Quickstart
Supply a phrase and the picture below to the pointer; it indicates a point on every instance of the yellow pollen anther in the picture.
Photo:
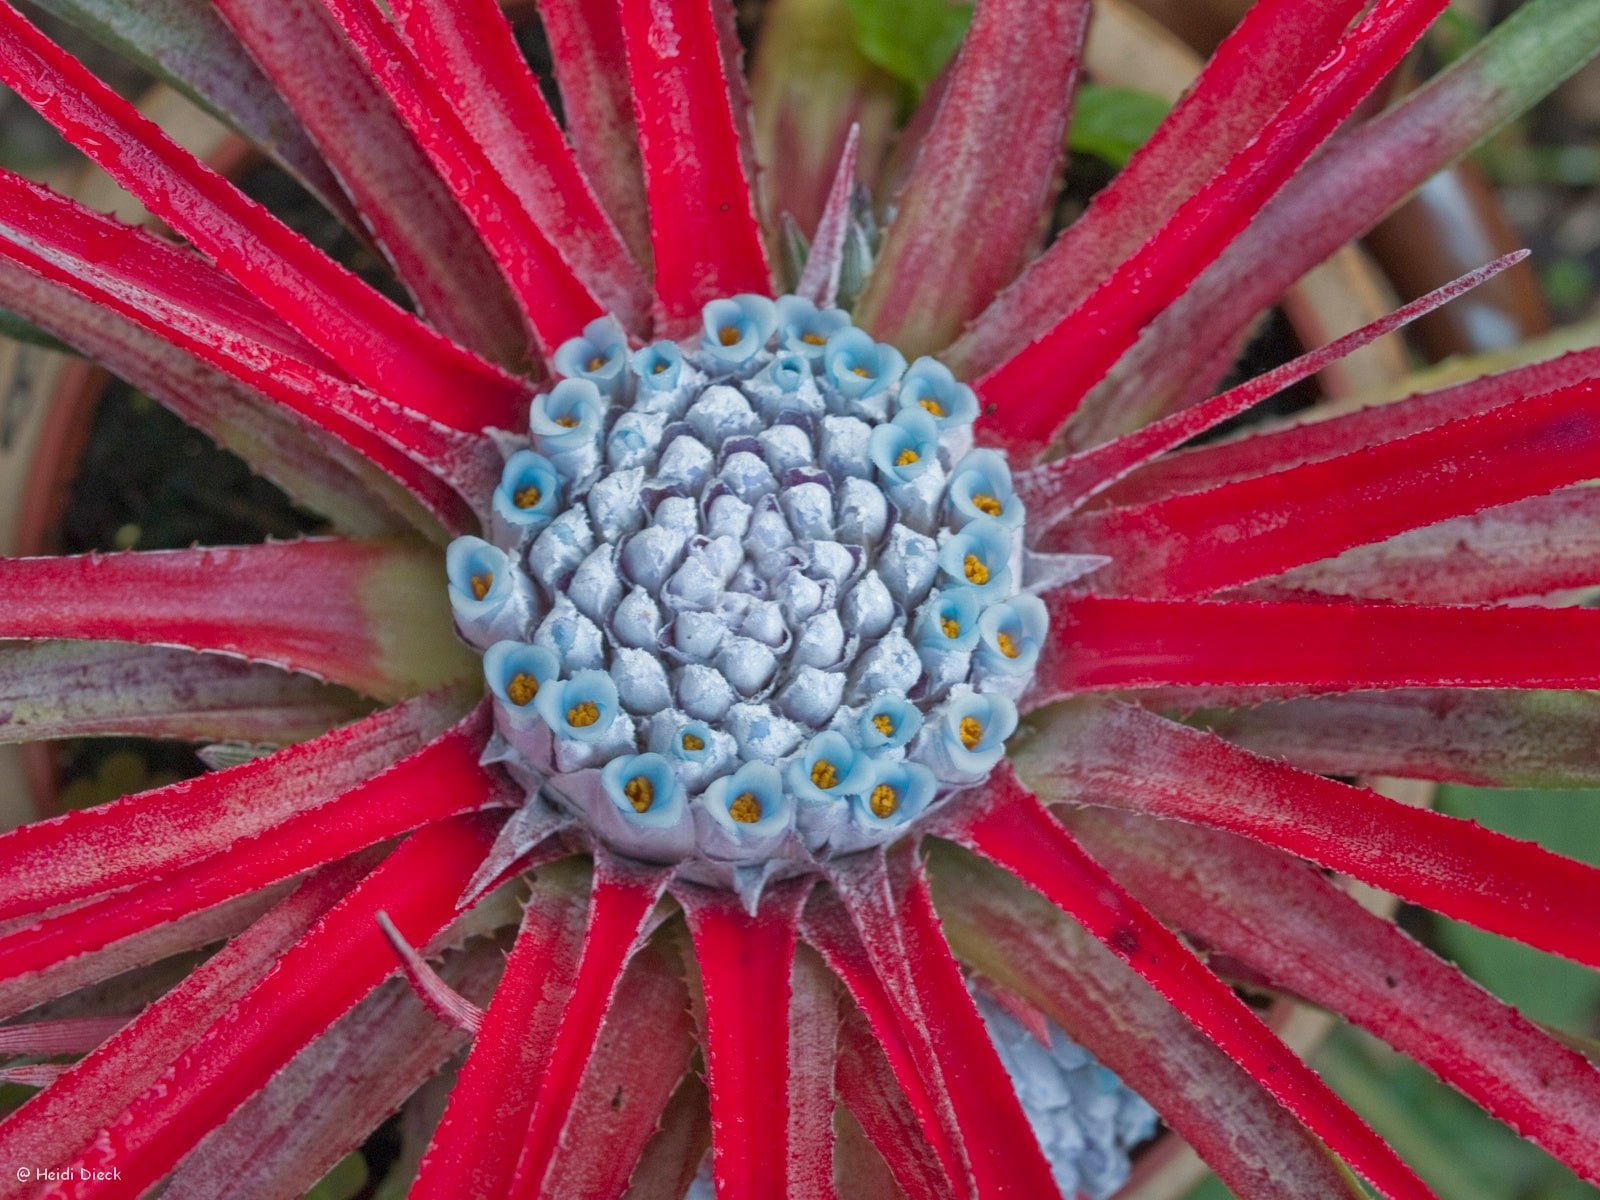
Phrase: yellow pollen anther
(567, 422)
(728, 335)
(988, 505)
(907, 457)
(641, 793)
(659, 369)
(824, 774)
(526, 497)
(693, 742)
(522, 688)
(951, 627)
(884, 801)
(933, 407)
(975, 571)
(861, 371)
(1008, 645)
(745, 809)
(971, 732)
(581, 716)
(813, 339)
(883, 724)
(594, 364)
(481, 584)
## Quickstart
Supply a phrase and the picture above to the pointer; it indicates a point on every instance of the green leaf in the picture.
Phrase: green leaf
(13, 326)
(910, 39)
(1545, 988)
(1112, 122)
(347, 1179)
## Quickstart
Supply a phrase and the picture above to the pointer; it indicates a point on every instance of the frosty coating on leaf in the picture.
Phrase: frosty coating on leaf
(767, 573)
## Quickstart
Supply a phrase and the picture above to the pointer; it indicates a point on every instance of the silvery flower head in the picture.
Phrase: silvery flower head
(757, 582)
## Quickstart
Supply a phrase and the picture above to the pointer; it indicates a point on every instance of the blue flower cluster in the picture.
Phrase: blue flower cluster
(752, 602)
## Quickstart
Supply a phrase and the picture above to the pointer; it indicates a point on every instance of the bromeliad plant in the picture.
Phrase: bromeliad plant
(762, 580)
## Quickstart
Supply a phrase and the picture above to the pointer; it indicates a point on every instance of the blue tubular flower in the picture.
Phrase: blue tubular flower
(566, 424)
(751, 807)
(581, 708)
(516, 673)
(599, 355)
(980, 490)
(897, 794)
(659, 366)
(804, 329)
(645, 790)
(829, 770)
(489, 598)
(949, 621)
(979, 558)
(787, 371)
(973, 731)
(930, 387)
(1011, 634)
(905, 447)
(859, 367)
(692, 743)
(887, 723)
(529, 495)
(738, 329)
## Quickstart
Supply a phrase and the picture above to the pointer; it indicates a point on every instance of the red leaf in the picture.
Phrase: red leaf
(324, 1104)
(467, 50)
(1015, 935)
(68, 1035)
(1338, 196)
(1306, 935)
(1206, 541)
(829, 928)
(1012, 828)
(986, 169)
(706, 240)
(1530, 547)
(88, 689)
(144, 837)
(889, 1121)
(1124, 757)
(438, 782)
(474, 1150)
(624, 896)
(645, 1049)
(1315, 441)
(368, 336)
(206, 928)
(1103, 644)
(1277, 44)
(672, 1158)
(339, 962)
(315, 468)
(1054, 489)
(554, 301)
(745, 966)
(405, 202)
(590, 64)
(889, 902)
(248, 601)
(402, 443)
(1078, 350)
(1489, 738)
(819, 282)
